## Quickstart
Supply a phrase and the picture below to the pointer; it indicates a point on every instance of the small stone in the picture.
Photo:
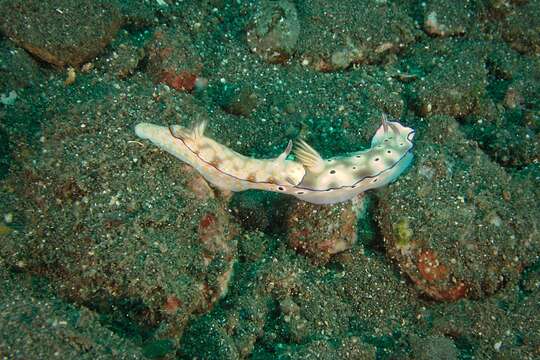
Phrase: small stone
(443, 18)
(8, 99)
(322, 231)
(8, 218)
(66, 33)
(274, 31)
(241, 102)
(342, 59)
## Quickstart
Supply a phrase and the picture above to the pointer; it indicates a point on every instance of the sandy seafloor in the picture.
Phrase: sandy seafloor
(113, 249)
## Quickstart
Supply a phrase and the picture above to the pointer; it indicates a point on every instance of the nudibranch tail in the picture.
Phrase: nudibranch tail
(220, 165)
(310, 178)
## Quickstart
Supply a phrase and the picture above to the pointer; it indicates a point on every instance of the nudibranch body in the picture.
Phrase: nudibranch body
(310, 178)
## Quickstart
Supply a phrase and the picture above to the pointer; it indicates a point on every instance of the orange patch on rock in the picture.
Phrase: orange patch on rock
(182, 81)
(434, 279)
(430, 268)
(454, 293)
(206, 221)
(172, 303)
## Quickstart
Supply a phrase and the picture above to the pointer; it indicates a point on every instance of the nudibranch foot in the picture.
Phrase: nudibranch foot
(309, 177)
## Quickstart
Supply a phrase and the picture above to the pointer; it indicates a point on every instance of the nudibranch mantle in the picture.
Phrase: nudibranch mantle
(309, 177)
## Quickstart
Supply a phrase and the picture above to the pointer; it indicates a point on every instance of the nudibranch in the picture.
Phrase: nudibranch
(308, 177)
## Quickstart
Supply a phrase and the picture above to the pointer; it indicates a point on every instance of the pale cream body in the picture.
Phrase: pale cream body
(311, 178)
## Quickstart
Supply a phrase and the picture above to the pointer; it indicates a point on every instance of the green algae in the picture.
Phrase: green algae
(403, 232)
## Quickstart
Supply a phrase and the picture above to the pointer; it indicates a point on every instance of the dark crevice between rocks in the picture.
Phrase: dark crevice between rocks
(393, 343)
(136, 29)
(262, 211)
(499, 132)
(464, 345)
(277, 334)
(125, 317)
(128, 318)
(496, 85)
(43, 65)
(529, 280)
(142, 66)
(369, 237)
(130, 37)
(499, 139)
(335, 265)
(369, 233)
(5, 154)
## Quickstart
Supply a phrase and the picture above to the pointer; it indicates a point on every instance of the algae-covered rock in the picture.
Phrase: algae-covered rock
(61, 32)
(508, 128)
(469, 226)
(454, 81)
(128, 225)
(521, 28)
(338, 34)
(511, 139)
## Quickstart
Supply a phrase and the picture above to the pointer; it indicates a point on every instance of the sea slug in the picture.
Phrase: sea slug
(308, 177)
